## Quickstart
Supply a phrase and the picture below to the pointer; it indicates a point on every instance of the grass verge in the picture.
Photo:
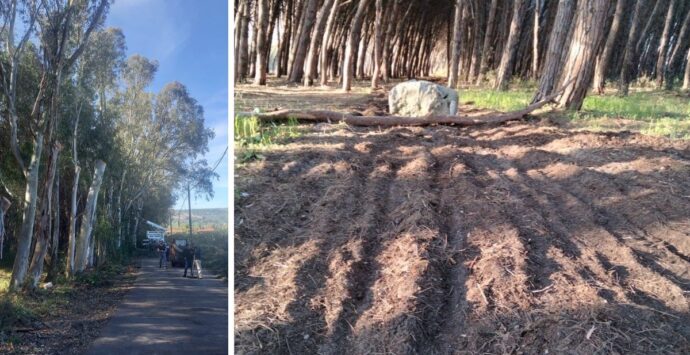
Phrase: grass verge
(652, 112)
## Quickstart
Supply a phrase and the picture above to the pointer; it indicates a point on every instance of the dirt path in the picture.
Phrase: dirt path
(165, 313)
(524, 238)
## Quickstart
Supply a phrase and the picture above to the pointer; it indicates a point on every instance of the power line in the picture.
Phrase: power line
(221, 159)
(213, 170)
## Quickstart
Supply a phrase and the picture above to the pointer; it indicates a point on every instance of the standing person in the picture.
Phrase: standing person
(188, 256)
(161, 254)
(166, 252)
(197, 261)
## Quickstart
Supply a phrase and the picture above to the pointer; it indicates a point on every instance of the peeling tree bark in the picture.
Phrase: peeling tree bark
(85, 234)
(4, 206)
(43, 227)
(21, 259)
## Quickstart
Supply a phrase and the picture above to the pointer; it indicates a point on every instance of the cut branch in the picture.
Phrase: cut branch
(460, 120)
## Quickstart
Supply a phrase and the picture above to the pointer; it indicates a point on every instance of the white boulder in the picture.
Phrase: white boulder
(421, 98)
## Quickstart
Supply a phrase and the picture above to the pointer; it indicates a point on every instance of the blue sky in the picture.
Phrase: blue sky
(189, 39)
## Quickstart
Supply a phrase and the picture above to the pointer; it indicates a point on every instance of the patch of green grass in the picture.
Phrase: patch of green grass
(652, 112)
(251, 131)
(252, 136)
(511, 100)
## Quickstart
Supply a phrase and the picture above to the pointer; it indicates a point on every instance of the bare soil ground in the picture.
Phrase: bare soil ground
(524, 238)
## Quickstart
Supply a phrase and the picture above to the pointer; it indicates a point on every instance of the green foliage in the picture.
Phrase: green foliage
(14, 312)
(101, 276)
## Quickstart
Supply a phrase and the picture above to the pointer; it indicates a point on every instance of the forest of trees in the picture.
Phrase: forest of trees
(86, 150)
(576, 44)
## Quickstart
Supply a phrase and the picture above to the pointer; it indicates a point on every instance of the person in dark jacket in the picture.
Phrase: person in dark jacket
(188, 255)
(161, 253)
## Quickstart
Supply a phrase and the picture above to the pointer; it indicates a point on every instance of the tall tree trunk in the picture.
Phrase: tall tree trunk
(488, 37)
(4, 206)
(378, 49)
(85, 234)
(55, 242)
(605, 57)
(352, 41)
(262, 23)
(578, 68)
(552, 64)
(72, 239)
(237, 33)
(119, 210)
(656, 11)
(686, 77)
(298, 21)
(303, 42)
(630, 47)
(43, 227)
(678, 48)
(535, 40)
(457, 38)
(21, 259)
(285, 42)
(505, 69)
(273, 16)
(661, 58)
(137, 216)
(316, 42)
(243, 58)
(328, 33)
(362, 51)
(388, 39)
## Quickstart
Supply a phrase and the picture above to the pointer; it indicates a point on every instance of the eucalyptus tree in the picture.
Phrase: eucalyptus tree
(95, 76)
(62, 29)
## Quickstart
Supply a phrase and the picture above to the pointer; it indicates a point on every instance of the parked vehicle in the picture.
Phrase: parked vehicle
(176, 248)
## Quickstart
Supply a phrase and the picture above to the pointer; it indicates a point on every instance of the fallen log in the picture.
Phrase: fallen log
(387, 121)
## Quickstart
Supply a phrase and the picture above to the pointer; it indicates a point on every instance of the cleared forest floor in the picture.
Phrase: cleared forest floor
(523, 238)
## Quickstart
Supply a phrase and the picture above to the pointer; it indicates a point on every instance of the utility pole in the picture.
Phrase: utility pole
(189, 198)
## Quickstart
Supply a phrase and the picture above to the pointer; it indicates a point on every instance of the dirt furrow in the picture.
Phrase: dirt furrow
(361, 270)
(400, 296)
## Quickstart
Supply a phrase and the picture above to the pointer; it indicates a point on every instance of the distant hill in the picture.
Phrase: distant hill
(202, 219)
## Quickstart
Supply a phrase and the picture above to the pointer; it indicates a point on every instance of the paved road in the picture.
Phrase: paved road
(167, 314)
